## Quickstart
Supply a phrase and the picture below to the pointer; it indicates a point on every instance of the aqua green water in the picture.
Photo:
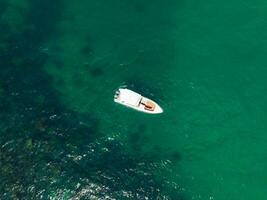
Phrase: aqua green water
(62, 136)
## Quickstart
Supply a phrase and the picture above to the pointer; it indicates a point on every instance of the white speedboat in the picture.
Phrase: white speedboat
(136, 101)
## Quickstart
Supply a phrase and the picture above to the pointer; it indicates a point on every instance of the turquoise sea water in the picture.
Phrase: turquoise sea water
(63, 137)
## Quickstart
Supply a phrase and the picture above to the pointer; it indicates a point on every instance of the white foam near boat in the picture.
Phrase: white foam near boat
(136, 101)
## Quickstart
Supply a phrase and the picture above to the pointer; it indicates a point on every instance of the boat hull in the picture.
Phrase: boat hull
(126, 97)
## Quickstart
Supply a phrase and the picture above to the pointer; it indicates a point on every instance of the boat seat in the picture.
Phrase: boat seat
(150, 105)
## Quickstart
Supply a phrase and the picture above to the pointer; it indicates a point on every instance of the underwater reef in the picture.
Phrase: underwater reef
(48, 151)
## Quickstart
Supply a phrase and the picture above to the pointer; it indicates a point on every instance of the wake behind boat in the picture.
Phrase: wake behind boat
(136, 101)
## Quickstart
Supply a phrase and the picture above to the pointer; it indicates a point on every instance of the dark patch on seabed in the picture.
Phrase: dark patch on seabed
(96, 72)
(39, 136)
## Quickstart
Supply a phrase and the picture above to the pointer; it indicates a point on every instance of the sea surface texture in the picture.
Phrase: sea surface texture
(63, 138)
